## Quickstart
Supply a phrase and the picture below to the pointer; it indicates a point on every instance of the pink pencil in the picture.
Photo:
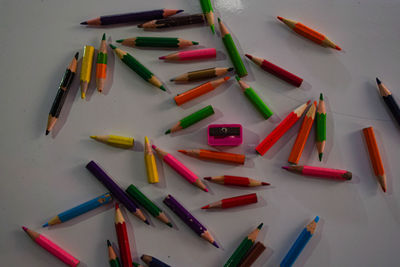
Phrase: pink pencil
(320, 172)
(51, 247)
(191, 54)
(180, 168)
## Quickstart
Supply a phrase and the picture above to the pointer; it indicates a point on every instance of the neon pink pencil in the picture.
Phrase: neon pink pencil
(191, 54)
(180, 168)
(320, 172)
(51, 247)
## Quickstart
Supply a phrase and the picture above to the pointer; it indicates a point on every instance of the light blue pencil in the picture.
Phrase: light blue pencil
(299, 244)
(80, 209)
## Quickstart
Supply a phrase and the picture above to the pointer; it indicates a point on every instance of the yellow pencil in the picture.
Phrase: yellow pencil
(87, 62)
(149, 159)
(115, 140)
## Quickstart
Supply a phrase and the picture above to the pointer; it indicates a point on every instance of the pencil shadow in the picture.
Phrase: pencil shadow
(110, 68)
(138, 147)
(92, 84)
(162, 181)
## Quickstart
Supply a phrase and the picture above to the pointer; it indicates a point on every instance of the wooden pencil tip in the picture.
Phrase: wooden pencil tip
(108, 243)
(205, 207)
(146, 222)
(163, 88)
(195, 43)
(207, 178)
(378, 81)
(320, 156)
(212, 27)
(84, 23)
(140, 26)
(321, 96)
(93, 136)
(113, 46)
(316, 219)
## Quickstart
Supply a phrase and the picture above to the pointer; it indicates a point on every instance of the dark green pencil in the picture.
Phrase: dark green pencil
(156, 42)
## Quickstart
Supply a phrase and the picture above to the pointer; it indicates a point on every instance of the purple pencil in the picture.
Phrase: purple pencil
(132, 17)
(188, 219)
(115, 190)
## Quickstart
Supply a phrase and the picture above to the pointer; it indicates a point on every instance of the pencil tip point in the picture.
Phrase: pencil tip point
(76, 55)
(83, 95)
(320, 156)
(280, 18)
(163, 57)
(260, 226)
(285, 167)
(215, 244)
(338, 48)
(168, 131)
(230, 69)
(249, 56)
(316, 219)
(321, 96)
(104, 36)
(153, 146)
(113, 46)
(237, 78)
(195, 43)
(205, 189)
(182, 151)
(120, 40)
(378, 81)
(84, 23)
(47, 132)
(264, 183)
(219, 20)
(45, 225)
(170, 224)
(163, 88)
(179, 11)
(146, 222)
(205, 207)
(207, 178)
(212, 28)
(93, 136)
(108, 243)
(140, 26)
(24, 228)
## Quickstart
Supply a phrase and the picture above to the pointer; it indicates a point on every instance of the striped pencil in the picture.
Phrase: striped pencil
(329, 173)
(389, 100)
(156, 42)
(86, 69)
(321, 127)
(123, 239)
(173, 22)
(137, 67)
(281, 129)
(112, 256)
(143, 200)
(375, 156)
(192, 119)
(201, 74)
(235, 180)
(302, 136)
(299, 244)
(79, 210)
(132, 17)
(215, 155)
(232, 50)
(208, 11)
(191, 55)
(115, 140)
(62, 92)
(153, 262)
(101, 65)
(150, 161)
(231, 202)
(309, 33)
(243, 248)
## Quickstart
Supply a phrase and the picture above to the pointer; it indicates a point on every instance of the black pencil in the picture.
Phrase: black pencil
(389, 100)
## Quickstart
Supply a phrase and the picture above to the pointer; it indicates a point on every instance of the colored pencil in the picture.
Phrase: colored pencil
(189, 219)
(115, 140)
(123, 239)
(215, 155)
(117, 192)
(143, 200)
(375, 156)
(232, 50)
(173, 22)
(231, 202)
(51, 247)
(150, 161)
(201, 74)
(156, 42)
(112, 256)
(138, 67)
(255, 99)
(302, 135)
(180, 168)
(153, 262)
(199, 90)
(191, 55)
(62, 92)
(235, 180)
(135, 264)
(208, 11)
(300, 243)
(253, 254)
(86, 69)
(309, 33)
(276, 70)
(389, 100)
(321, 127)
(132, 17)
(101, 65)
(243, 248)
(192, 119)
(80, 209)
(320, 172)
(281, 129)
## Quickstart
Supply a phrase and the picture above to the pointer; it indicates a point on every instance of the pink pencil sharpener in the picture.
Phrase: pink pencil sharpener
(224, 134)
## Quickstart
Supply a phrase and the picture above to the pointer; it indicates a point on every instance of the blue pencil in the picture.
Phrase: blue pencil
(299, 244)
(153, 262)
(80, 209)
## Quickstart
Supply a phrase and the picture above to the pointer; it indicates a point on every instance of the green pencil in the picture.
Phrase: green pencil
(156, 42)
(137, 67)
(243, 248)
(135, 193)
(232, 50)
(192, 119)
(255, 99)
(112, 256)
(208, 13)
(321, 127)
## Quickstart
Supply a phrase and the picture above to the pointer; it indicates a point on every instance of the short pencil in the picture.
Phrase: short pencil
(231, 202)
(191, 55)
(321, 127)
(253, 254)
(389, 100)
(334, 174)
(215, 155)
(86, 69)
(235, 180)
(192, 119)
(167, 42)
(150, 161)
(173, 22)
(101, 65)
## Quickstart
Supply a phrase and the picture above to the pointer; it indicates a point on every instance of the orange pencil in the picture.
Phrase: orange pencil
(199, 90)
(302, 136)
(375, 156)
(215, 155)
(309, 33)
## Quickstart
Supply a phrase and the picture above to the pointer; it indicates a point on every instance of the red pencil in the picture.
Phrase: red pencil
(281, 129)
(123, 240)
(235, 180)
(233, 202)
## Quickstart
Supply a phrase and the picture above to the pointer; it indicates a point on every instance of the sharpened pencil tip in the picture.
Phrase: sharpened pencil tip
(219, 20)
(230, 69)
(264, 183)
(120, 40)
(171, 80)
(378, 81)
(24, 228)
(316, 219)
(104, 36)
(168, 131)
(179, 11)
(163, 57)
(212, 27)
(321, 96)
(249, 56)
(153, 146)
(113, 46)
(83, 95)
(140, 26)
(163, 88)
(280, 18)
(47, 132)
(108, 243)
(205, 207)
(76, 55)
(338, 48)
(45, 225)
(207, 178)
(84, 23)
(285, 167)
(195, 43)
(237, 78)
(260, 226)
(169, 224)
(215, 244)
(320, 156)
(182, 151)
(205, 189)
(146, 222)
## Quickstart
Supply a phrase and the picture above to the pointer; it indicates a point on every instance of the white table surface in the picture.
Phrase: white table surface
(44, 175)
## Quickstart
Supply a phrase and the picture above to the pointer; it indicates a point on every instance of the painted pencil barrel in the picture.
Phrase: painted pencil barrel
(206, 6)
(321, 127)
(234, 55)
(236, 180)
(393, 106)
(193, 93)
(132, 17)
(309, 33)
(239, 201)
(326, 173)
(57, 251)
(136, 194)
(174, 21)
(101, 65)
(151, 168)
(239, 253)
(258, 103)
(253, 255)
(87, 62)
(115, 140)
(281, 73)
(202, 74)
(196, 116)
(137, 67)
(373, 151)
(180, 168)
(198, 54)
(222, 156)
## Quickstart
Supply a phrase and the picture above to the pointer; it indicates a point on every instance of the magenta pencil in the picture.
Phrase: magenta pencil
(191, 54)
(320, 172)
